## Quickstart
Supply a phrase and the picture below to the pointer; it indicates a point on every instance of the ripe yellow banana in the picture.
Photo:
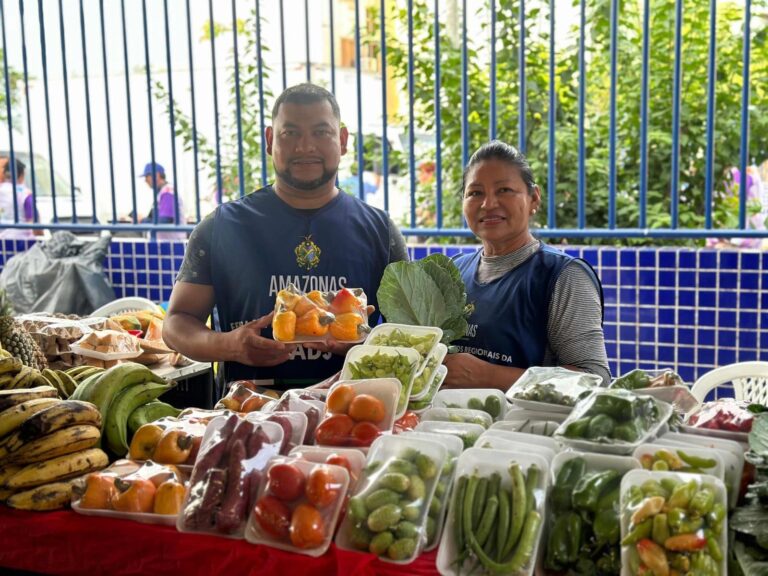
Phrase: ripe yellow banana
(11, 364)
(5, 354)
(58, 416)
(10, 398)
(12, 418)
(60, 468)
(46, 497)
(64, 441)
(7, 471)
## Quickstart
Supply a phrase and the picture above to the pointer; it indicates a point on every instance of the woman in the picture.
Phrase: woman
(533, 305)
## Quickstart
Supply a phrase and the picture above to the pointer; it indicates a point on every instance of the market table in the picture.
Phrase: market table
(67, 543)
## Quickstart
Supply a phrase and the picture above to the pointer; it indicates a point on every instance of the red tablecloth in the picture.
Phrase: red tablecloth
(65, 542)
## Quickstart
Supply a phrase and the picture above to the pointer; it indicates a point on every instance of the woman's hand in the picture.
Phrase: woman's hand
(464, 371)
(249, 347)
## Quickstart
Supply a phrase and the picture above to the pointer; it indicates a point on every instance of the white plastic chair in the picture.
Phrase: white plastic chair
(749, 381)
(125, 305)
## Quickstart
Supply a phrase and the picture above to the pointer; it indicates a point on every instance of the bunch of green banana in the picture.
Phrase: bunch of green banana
(60, 380)
(150, 412)
(117, 392)
(15, 375)
(80, 373)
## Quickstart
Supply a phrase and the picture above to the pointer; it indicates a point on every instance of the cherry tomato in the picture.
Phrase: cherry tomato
(322, 488)
(364, 433)
(273, 516)
(340, 398)
(307, 527)
(367, 408)
(286, 482)
(339, 460)
(334, 431)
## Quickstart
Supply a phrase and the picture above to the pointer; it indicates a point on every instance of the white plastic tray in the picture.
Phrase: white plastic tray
(458, 429)
(458, 398)
(637, 477)
(436, 358)
(434, 387)
(389, 327)
(499, 442)
(541, 406)
(523, 437)
(385, 389)
(717, 471)
(486, 462)
(465, 415)
(740, 437)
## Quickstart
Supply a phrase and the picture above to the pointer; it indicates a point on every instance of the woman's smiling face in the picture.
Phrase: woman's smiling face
(498, 206)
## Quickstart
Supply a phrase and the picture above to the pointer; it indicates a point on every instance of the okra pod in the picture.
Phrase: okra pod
(518, 508)
(479, 505)
(503, 528)
(523, 551)
(531, 482)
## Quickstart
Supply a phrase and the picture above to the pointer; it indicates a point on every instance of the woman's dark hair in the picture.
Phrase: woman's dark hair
(20, 168)
(498, 150)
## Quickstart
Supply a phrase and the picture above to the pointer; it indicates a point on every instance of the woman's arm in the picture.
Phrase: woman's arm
(468, 371)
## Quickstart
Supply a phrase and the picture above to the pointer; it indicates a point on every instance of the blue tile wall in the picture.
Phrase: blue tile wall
(687, 309)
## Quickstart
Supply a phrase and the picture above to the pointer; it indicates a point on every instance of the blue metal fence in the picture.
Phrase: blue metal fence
(345, 45)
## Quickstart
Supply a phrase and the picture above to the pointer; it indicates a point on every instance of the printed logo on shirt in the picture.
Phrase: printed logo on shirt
(307, 283)
(487, 354)
(307, 253)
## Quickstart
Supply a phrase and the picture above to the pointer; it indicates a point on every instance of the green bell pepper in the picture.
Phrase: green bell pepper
(606, 527)
(565, 540)
(600, 426)
(613, 405)
(578, 428)
(565, 482)
(589, 488)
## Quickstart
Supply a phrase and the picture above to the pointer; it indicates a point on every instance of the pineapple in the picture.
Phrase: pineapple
(14, 339)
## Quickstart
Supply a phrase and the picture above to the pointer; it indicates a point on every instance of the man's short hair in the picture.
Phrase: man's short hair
(306, 93)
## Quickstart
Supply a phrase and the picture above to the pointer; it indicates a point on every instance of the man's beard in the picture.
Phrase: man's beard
(288, 178)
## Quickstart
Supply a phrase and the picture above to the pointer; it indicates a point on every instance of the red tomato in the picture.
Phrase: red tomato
(339, 460)
(286, 482)
(322, 489)
(408, 421)
(364, 433)
(307, 527)
(339, 399)
(273, 516)
(334, 431)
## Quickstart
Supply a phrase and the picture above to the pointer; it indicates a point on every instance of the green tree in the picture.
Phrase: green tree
(15, 82)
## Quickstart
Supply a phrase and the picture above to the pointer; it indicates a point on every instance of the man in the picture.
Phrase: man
(301, 229)
(24, 202)
(154, 176)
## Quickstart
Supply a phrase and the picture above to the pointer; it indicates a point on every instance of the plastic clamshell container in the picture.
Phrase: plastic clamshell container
(379, 333)
(595, 462)
(424, 377)
(485, 462)
(523, 437)
(468, 433)
(541, 406)
(454, 446)
(717, 470)
(731, 453)
(740, 437)
(539, 423)
(319, 454)
(459, 398)
(385, 389)
(637, 477)
(297, 422)
(362, 312)
(422, 404)
(291, 401)
(499, 442)
(384, 450)
(679, 396)
(466, 415)
(356, 353)
(255, 534)
(612, 446)
(257, 462)
(569, 385)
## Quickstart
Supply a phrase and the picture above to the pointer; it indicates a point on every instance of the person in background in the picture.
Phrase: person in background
(300, 229)
(24, 199)
(154, 176)
(533, 305)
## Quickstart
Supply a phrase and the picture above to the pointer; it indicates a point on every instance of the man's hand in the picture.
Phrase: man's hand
(249, 347)
(464, 371)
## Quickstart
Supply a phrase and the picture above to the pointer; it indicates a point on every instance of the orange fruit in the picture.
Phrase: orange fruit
(339, 399)
(366, 408)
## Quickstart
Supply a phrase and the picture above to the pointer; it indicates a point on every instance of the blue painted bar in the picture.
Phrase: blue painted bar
(360, 139)
(674, 193)
(522, 108)
(149, 104)
(171, 111)
(109, 113)
(384, 136)
(212, 32)
(581, 211)
(411, 121)
(238, 104)
(260, 67)
(492, 96)
(612, 135)
(135, 216)
(577, 233)
(194, 113)
(66, 111)
(644, 99)
(29, 111)
(464, 88)
(552, 155)
(306, 38)
(333, 46)
(283, 65)
(9, 117)
(89, 127)
(744, 159)
(438, 122)
(709, 181)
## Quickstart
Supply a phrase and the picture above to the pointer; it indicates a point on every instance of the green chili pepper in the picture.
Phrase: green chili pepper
(713, 547)
(675, 518)
(697, 461)
(681, 496)
(690, 525)
(703, 501)
(588, 490)
(660, 531)
(715, 518)
(642, 530)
